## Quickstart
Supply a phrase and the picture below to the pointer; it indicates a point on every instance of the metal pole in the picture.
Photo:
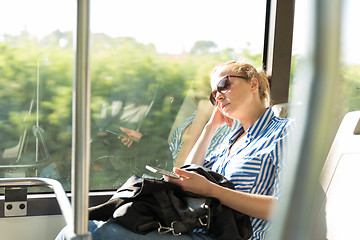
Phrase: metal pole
(317, 84)
(81, 124)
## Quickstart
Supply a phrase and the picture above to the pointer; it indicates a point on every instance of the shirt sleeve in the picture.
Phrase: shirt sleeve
(281, 158)
(221, 145)
(214, 155)
(209, 161)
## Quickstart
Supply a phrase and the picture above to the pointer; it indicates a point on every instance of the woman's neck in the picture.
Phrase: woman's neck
(249, 119)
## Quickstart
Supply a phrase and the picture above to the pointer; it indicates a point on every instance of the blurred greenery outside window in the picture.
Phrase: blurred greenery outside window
(348, 97)
(135, 84)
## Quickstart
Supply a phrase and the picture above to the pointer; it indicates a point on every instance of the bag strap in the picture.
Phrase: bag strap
(177, 228)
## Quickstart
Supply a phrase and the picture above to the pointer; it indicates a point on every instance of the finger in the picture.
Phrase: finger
(183, 173)
(178, 181)
(125, 130)
(131, 134)
(166, 178)
(125, 140)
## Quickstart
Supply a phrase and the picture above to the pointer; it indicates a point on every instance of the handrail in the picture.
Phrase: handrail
(81, 123)
(60, 194)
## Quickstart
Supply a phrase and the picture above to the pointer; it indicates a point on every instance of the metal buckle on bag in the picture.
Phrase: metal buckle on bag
(173, 229)
(206, 219)
(163, 230)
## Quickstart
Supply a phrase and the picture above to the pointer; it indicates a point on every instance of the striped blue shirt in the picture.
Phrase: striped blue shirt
(253, 166)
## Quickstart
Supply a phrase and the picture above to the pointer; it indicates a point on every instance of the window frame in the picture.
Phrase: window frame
(276, 54)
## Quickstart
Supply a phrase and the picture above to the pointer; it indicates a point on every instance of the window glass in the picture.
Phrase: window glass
(348, 98)
(314, 153)
(36, 71)
(350, 57)
(150, 62)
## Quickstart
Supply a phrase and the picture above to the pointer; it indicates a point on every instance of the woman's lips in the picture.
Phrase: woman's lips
(223, 106)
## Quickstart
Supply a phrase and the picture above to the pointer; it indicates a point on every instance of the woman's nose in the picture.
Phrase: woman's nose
(219, 96)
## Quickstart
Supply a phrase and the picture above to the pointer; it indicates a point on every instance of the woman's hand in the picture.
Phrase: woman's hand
(191, 182)
(218, 118)
(254, 205)
(132, 136)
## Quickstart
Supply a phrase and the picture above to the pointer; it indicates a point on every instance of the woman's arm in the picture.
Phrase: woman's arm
(198, 153)
(254, 205)
(193, 131)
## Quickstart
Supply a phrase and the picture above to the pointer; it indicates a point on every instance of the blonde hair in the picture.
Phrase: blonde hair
(248, 72)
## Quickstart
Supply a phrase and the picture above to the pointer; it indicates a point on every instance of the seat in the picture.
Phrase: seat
(281, 109)
(339, 180)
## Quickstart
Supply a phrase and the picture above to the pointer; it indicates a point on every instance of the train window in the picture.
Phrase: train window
(149, 72)
(36, 62)
(348, 98)
(348, 95)
(350, 58)
(326, 96)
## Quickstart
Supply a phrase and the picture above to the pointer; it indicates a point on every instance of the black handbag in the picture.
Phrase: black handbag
(146, 204)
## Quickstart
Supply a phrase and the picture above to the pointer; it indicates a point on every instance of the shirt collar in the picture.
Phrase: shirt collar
(260, 124)
(256, 128)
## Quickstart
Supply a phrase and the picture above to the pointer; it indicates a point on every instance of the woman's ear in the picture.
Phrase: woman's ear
(254, 84)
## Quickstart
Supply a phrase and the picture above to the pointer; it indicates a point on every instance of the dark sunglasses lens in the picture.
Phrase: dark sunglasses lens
(212, 98)
(224, 85)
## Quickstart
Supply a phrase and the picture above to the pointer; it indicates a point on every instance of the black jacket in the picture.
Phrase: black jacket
(146, 204)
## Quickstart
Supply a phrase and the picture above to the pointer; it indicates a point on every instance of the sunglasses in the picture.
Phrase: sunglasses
(222, 87)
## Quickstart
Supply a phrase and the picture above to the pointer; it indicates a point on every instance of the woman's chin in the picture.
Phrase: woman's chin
(226, 112)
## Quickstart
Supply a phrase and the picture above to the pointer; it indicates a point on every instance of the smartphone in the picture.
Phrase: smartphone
(121, 135)
(161, 171)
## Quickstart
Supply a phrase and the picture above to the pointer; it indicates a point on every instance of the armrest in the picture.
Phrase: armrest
(60, 194)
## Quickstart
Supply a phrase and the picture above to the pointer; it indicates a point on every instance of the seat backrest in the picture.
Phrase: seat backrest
(346, 141)
(340, 179)
(281, 109)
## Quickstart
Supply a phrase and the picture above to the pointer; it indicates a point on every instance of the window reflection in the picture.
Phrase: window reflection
(149, 71)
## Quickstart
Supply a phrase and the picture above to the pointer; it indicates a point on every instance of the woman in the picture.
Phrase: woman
(250, 157)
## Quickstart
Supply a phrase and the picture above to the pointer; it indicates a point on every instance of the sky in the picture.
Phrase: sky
(350, 33)
(173, 26)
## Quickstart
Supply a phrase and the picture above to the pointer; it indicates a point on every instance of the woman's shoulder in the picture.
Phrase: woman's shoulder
(280, 126)
(284, 121)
